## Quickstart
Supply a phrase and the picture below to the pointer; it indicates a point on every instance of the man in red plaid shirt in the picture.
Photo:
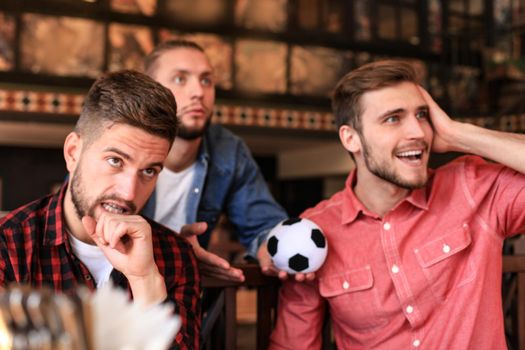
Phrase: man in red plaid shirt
(89, 232)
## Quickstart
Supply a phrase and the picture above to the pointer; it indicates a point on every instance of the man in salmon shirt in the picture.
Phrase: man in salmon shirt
(414, 256)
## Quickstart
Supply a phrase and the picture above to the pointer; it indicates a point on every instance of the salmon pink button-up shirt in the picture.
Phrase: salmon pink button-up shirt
(426, 275)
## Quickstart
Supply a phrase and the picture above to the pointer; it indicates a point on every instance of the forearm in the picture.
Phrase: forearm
(502, 147)
(148, 290)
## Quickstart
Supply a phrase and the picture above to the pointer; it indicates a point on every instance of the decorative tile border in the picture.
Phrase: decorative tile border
(71, 104)
(40, 102)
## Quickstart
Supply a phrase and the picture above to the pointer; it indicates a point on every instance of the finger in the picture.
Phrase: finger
(101, 229)
(116, 236)
(230, 274)
(282, 275)
(299, 277)
(196, 228)
(310, 276)
(211, 259)
(89, 225)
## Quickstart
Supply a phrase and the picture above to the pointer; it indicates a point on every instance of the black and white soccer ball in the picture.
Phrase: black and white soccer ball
(297, 245)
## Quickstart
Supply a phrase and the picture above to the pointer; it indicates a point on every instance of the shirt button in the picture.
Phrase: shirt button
(446, 248)
(196, 190)
(87, 277)
(387, 226)
(395, 268)
(416, 343)
(409, 309)
(346, 285)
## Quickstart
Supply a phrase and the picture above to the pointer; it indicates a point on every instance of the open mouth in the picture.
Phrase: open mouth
(115, 208)
(413, 156)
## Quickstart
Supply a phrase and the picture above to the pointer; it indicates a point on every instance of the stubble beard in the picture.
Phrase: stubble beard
(80, 203)
(383, 171)
(189, 134)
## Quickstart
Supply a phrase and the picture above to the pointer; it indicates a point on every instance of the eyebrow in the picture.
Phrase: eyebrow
(401, 110)
(187, 72)
(128, 157)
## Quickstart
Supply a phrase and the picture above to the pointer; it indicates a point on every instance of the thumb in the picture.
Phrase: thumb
(89, 225)
(194, 229)
(265, 260)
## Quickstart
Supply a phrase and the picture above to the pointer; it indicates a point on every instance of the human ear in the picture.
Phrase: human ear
(350, 138)
(72, 150)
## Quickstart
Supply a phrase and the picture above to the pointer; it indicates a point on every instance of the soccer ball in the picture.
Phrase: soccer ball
(297, 245)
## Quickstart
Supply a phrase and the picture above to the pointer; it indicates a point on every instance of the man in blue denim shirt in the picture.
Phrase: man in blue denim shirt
(209, 170)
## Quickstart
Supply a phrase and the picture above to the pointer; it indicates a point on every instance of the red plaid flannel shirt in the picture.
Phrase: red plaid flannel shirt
(35, 249)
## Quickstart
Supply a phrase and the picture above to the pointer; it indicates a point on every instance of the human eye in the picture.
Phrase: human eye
(422, 114)
(150, 172)
(391, 119)
(207, 81)
(179, 79)
(115, 162)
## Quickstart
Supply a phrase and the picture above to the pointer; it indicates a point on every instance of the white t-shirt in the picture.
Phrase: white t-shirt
(172, 193)
(94, 259)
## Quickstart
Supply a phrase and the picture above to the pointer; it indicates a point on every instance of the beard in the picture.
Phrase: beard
(189, 134)
(81, 203)
(385, 172)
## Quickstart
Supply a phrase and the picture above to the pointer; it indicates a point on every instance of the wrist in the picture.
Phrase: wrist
(149, 289)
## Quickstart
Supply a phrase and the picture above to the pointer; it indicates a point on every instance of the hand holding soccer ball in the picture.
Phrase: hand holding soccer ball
(297, 245)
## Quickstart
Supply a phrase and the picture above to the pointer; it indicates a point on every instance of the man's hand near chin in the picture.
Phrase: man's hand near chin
(127, 243)
(268, 268)
(210, 265)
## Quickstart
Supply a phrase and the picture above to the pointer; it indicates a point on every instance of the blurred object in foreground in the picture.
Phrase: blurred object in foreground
(103, 320)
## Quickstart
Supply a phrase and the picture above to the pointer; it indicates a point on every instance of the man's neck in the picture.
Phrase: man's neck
(182, 154)
(378, 195)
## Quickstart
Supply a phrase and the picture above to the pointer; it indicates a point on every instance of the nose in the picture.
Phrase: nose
(127, 187)
(414, 128)
(196, 89)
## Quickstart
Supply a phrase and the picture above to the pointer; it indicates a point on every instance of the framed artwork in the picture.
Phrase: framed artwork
(63, 46)
(386, 27)
(434, 25)
(307, 62)
(260, 66)
(196, 11)
(7, 41)
(129, 44)
(410, 26)
(270, 15)
(218, 50)
(362, 22)
(143, 7)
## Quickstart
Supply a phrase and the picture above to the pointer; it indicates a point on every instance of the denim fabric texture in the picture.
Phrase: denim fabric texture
(228, 180)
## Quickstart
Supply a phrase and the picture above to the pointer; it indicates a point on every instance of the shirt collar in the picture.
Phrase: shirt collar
(352, 206)
(54, 231)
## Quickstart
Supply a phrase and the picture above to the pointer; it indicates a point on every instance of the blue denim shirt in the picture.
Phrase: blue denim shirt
(227, 179)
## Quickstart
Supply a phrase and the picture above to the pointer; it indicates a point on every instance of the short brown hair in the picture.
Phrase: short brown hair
(130, 98)
(150, 62)
(372, 76)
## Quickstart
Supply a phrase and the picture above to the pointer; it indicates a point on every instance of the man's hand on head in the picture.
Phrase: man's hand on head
(268, 268)
(127, 243)
(443, 126)
(209, 264)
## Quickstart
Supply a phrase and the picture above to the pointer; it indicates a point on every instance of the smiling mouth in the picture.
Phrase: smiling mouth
(115, 208)
(413, 156)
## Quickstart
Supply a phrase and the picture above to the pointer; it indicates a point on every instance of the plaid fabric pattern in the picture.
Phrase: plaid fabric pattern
(35, 249)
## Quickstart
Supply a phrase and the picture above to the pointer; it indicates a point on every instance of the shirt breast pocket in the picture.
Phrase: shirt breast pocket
(353, 298)
(446, 261)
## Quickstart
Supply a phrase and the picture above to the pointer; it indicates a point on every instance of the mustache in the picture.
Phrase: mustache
(412, 145)
(112, 197)
(189, 107)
